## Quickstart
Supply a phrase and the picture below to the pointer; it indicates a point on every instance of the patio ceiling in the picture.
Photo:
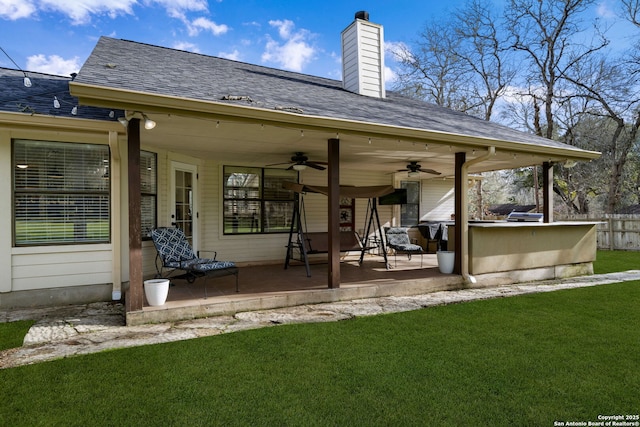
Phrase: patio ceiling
(262, 142)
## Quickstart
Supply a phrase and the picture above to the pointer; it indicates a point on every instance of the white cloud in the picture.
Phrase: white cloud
(284, 27)
(205, 24)
(81, 11)
(53, 64)
(235, 55)
(396, 51)
(390, 75)
(294, 52)
(186, 46)
(605, 10)
(16, 9)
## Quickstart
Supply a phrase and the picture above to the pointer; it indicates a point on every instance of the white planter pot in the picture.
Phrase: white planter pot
(445, 261)
(156, 291)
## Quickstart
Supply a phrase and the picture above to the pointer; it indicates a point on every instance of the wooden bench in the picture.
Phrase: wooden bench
(318, 242)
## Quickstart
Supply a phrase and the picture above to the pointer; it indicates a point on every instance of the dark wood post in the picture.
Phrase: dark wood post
(460, 159)
(135, 297)
(333, 182)
(547, 191)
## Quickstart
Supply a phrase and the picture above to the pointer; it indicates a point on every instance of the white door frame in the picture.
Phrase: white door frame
(175, 166)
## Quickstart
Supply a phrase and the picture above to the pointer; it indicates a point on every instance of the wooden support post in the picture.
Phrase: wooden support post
(547, 191)
(459, 189)
(333, 182)
(135, 297)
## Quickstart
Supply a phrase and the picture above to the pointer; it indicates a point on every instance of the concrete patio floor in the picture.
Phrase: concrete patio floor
(272, 286)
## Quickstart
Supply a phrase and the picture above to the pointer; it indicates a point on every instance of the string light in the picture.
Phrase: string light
(369, 141)
(56, 103)
(74, 111)
(26, 81)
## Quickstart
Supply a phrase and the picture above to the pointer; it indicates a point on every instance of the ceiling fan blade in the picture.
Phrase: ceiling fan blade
(315, 165)
(402, 170)
(431, 171)
(279, 164)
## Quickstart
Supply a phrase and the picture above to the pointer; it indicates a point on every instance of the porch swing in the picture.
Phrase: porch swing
(304, 243)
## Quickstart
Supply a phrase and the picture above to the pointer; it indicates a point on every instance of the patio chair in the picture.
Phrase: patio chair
(398, 240)
(174, 253)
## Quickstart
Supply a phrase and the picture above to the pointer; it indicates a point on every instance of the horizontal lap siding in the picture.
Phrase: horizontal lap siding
(261, 248)
(362, 59)
(437, 201)
(61, 267)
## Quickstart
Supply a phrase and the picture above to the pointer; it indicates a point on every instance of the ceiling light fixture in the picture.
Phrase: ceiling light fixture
(299, 167)
(124, 121)
(413, 174)
(148, 123)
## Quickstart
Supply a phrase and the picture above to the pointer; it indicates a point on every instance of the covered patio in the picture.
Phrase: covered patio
(235, 115)
(272, 286)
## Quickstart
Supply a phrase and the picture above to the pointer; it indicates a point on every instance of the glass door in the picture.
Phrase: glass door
(183, 204)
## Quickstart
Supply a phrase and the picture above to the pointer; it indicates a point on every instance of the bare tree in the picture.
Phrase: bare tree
(612, 89)
(631, 10)
(545, 31)
(432, 71)
(485, 53)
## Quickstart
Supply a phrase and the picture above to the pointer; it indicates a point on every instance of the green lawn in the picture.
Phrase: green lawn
(613, 261)
(12, 333)
(527, 360)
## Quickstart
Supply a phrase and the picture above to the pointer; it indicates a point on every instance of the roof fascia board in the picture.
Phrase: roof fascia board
(65, 123)
(100, 96)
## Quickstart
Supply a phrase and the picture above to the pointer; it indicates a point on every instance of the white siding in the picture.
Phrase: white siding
(363, 59)
(437, 201)
(270, 248)
(61, 266)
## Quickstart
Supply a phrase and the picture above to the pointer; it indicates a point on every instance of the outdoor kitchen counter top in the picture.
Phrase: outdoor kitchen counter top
(499, 224)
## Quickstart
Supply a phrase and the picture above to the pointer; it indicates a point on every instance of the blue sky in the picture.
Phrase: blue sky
(56, 36)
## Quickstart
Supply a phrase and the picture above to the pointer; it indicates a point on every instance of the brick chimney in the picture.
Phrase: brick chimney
(363, 57)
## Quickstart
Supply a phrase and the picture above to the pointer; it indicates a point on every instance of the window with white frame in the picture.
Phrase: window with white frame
(410, 212)
(148, 193)
(255, 201)
(60, 193)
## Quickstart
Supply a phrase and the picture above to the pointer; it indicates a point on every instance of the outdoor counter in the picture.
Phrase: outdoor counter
(496, 246)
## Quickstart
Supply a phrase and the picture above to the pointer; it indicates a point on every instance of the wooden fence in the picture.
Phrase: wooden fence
(615, 232)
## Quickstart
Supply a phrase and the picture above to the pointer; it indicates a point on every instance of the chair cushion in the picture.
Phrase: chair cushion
(398, 237)
(407, 248)
(173, 246)
(204, 265)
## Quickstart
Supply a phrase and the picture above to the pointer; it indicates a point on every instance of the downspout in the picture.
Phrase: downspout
(116, 240)
(464, 220)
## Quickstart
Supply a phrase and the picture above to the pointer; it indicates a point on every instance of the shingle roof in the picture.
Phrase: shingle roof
(131, 66)
(39, 98)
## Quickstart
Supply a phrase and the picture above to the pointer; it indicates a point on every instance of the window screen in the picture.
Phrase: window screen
(61, 193)
(148, 192)
(255, 202)
(410, 212)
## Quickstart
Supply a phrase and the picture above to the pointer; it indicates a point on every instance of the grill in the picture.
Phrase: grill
(525, 217)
